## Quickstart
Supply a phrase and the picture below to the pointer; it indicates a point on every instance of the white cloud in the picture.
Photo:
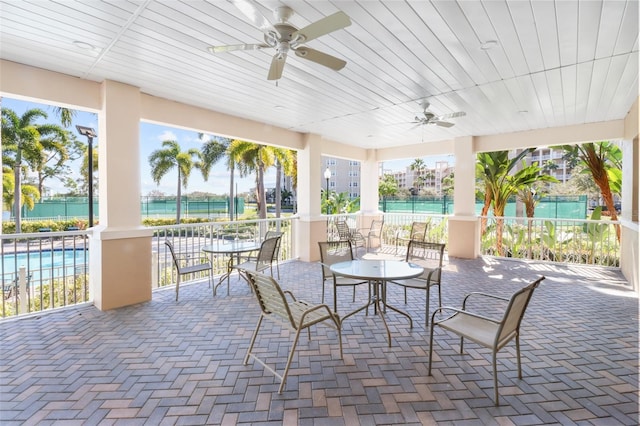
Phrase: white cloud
(167, 135)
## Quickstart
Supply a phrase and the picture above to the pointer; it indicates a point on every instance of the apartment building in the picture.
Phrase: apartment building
(345, 176)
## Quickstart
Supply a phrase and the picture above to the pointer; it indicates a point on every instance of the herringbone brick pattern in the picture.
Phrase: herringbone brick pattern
(168, 363)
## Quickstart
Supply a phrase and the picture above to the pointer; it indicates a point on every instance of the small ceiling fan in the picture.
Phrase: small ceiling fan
(284, 37)
(430, 118)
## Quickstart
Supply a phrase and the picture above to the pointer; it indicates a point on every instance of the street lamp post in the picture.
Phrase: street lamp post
(90, 134)
(327, 175)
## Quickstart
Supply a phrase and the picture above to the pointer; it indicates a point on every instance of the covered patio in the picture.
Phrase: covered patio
(162, 362)
(136, 356)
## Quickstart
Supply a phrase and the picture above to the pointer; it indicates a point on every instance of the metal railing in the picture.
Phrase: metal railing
(585, 242)
(189, 239)
(43, 271)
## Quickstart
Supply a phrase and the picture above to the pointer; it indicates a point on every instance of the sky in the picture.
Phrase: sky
(151, 138)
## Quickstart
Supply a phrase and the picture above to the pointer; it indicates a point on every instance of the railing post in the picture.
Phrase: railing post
(23, 298)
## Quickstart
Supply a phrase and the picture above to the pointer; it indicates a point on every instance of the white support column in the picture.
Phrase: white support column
(630, 241)
(120, 248)
(464, 228)
(369, 185)
(369, 197)
(311, 227)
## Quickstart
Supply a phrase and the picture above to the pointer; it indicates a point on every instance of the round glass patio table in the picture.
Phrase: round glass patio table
(233, 249)
(379, 272)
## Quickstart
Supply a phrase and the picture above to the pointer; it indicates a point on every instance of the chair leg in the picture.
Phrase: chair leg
(291, 353)
(518, 355)
(495, 377)
(405, 295)
(426, 319)
(253, 340)
(354, 294)
(177, 286)
(430, 347)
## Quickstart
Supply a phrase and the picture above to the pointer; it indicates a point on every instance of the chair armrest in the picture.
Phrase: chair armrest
(458, 311)
(478, 293)
(288, 292)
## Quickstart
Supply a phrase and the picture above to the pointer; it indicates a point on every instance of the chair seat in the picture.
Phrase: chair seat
(414, 283)
(195, 268)
(348, 281)
(252, 265)
(478, 330)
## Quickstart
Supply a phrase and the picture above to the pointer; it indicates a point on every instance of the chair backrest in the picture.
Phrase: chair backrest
(418, 231)
(271, 298)
(274, 234)
(343, 230)
(515, 310)
(333, 252)
(429, 256)
(376, 228)
(267, 250)
(173, 254)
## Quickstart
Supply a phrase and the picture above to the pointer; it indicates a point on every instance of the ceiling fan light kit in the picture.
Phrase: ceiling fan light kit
(284, 37)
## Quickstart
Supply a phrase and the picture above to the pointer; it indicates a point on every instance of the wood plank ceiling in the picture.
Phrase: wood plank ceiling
(553, 64)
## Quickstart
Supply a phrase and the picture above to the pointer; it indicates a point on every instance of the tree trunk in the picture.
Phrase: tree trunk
(261, 196)
(278, 190)
(17, 195)
(178, 198)
(485, 210)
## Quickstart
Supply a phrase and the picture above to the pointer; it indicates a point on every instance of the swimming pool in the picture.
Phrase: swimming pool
(44, 264)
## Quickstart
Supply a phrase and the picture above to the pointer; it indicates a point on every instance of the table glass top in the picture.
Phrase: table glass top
(377, 269)
(232, 247)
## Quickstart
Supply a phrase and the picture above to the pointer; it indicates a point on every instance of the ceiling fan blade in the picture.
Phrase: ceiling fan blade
(320, 58)
(249, 10)
(441, 123)
(277, 66)
(324, 26)
(452, 115)
(232, 47)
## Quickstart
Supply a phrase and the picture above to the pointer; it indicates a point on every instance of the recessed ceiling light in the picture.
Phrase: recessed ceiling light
(488, 45)
(279, 107)
(83, 45)
(523, 111)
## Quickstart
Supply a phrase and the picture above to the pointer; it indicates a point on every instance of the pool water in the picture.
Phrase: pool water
(43, 264)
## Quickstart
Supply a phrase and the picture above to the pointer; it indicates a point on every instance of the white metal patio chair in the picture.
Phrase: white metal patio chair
(429, 256)
(294, 314)
(491, 333)
(188, 265)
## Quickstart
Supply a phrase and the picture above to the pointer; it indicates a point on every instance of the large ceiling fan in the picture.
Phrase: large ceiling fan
(439, 120)
(284, 37)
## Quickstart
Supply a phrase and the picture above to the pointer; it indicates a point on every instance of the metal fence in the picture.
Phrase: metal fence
(43, 272)
(585, 242)
(189, 240)
(560, 207)
(62, 208)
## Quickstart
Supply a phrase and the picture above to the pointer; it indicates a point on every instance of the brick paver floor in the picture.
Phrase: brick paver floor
(168, 363)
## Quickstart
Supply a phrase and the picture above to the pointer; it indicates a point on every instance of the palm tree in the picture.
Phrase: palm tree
(255, 158)
(508, 185)
(164, 160)
(29, 196)
(284, 163)
(604, 162)
(22, 146)
(492, 169)
(213, 151)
